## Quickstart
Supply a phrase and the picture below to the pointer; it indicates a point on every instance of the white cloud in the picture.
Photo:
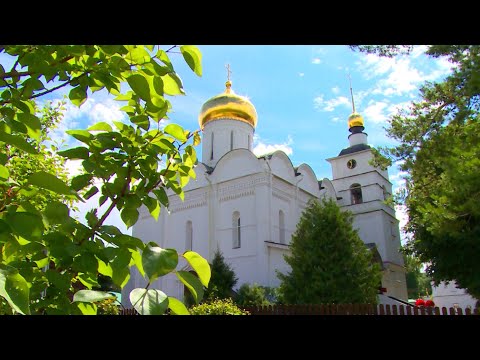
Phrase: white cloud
(375, 112)
(107, 111)
(330, 105)
(316, 61)
(401, 75)
(301, 74)
(261, 148)
(418, 50)
(336, 90)
(74, 167)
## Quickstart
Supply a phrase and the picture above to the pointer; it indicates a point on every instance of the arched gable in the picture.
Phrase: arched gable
(200, 181)
(236, 163)
(281, 166)
(309, 182)
(328, 189)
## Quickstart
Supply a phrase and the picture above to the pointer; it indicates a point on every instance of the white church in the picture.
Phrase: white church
(248, 206)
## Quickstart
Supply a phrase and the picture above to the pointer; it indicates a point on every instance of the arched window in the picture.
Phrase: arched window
(231, 140)
(356, 194)
(211, 150)
(281, 226)
(236, 233)
(385, 193)
(248, 144)
(188, 236)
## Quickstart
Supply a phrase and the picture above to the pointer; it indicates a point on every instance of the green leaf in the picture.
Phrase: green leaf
(137, 261)
(192, 283)
(176, 131)
(26, 225)
(200, 265)
(153, 206)
(193, 57)
(172, 85)
(4, 173)
(80, 181)
(32, 123)
(75, 153)
(14, 288)
(92, 191)
(161, 196)
(78, 95)
(101, 126)
(91, 296)
(56, 212)
(177, 307)
(129, 216)
(196, 139)
(141, 120)
(149, 302)
(157, 261)
(81, 135)
(18, 142)
(87, 308)
(50, 182)
(140, 85)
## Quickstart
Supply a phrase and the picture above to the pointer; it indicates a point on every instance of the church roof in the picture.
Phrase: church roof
(354, 149)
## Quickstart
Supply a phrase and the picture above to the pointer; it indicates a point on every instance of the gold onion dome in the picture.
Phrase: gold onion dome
(228, 105)
(355, 119)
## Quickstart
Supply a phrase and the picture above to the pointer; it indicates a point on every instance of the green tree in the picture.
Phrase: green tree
(223, 278)
(50, 262)
(439, 148)
(418, 283)
(329, 262)
(252, 295)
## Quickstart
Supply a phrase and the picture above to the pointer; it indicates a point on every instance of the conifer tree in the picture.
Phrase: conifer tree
(329, 262)
(223, 278)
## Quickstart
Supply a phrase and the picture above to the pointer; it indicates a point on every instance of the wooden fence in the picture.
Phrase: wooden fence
(346, 309)
(356, 309)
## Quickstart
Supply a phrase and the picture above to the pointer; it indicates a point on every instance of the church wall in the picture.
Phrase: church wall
(340, 169)
(276, 262)
(242, 134)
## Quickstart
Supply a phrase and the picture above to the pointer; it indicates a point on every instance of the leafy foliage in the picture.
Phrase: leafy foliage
(439, 148)
(50, 262)
(418, 283)
(329, 262)
(218, 307)
(223, 278)
(252, 295)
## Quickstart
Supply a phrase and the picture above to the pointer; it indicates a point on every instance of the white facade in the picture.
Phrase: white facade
(448, 295)
(248, 207)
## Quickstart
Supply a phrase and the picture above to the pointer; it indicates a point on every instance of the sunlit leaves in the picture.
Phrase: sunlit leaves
(50, 182)
(27, 225)
(176, 131)
(14, 289)
(149, 302)
(91, 296)
(193, 57)
(177, 307)
(125, 165)
(78, 95)
(192, 283)
(157, 261)
(200, 266)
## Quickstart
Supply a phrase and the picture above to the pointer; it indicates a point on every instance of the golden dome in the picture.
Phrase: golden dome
(355, 119)
(228, 105)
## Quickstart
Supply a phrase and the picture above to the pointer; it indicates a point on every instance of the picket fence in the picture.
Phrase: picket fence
(346, 309)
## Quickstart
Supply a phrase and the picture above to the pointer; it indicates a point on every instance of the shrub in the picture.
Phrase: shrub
(252, 295)
(218, 307)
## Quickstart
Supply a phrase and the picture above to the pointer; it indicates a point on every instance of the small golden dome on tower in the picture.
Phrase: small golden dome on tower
(228, 105)
(355, 119)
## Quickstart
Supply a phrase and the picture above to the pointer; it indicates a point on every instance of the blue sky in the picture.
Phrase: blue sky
(301, 94)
